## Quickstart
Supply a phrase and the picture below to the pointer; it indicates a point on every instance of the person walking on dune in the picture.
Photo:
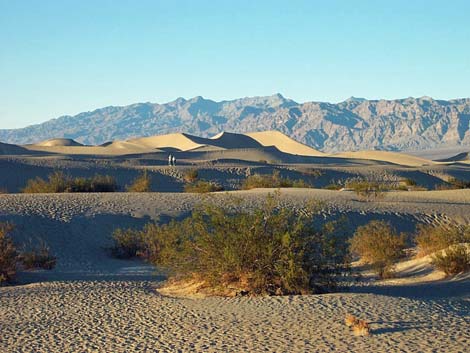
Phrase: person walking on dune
(169, 159)
(173, 159)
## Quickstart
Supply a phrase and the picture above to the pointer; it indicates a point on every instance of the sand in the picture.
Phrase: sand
(385, 156)
(93, 303)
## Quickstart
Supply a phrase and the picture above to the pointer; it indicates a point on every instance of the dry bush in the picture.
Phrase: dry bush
(367, 190)
(59, 182)
(37, 255)
(191, 175)
(272, 181)
(8, 254)
(141, 184)
(378, 244)
(272, 250)
(203, 186)
(128, 243)
(453, 260)
(432, 238)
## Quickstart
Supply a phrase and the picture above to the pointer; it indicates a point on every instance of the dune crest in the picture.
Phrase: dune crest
(284, 143)
(385, 156)
(59, 142)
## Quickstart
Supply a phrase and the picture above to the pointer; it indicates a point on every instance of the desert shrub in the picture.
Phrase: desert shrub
(37, 255)
(203, 186)
(8, 254)
(128, 243)
(432, 238)
(333, 187)
(191, 175)
(367, 189)
(273, 250)
(453, 260)
(141, 184)
(378, 244)
(272, 181)
(59, 182)
(410, 182)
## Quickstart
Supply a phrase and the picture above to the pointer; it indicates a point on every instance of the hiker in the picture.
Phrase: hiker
(169, 159)
(173, 159)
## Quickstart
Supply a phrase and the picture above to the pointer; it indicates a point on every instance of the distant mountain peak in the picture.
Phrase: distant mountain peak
(401, 124)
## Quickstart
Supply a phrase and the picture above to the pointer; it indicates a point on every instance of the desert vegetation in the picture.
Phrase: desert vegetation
(59, 182)
(379, 245)
(453, 260)
(36, 255)
(191, 175)
(143, 183)
(273, 180)
(367, 190)
(203, 186)
(273, 250)
(8, 254)
(432, 238)
(32, 256)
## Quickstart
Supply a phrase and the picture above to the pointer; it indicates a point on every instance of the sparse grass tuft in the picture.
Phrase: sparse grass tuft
(367, 189)
(128, 243)
(272, 181)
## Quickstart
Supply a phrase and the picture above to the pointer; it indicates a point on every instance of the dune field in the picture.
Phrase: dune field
(92, 302)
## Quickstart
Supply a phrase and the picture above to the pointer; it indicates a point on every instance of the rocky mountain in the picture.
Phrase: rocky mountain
(355, 124)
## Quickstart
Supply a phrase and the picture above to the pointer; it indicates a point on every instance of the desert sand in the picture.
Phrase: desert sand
(92, 302)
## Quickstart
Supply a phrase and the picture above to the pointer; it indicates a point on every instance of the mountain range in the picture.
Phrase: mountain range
(354, 124)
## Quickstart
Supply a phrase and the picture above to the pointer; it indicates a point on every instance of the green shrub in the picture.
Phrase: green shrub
(378, 244)
(367, 189)
(432, 238)
(59, 182)
(453, 260)
(191, 175)
(203, 186)
(128, 243)
(38, 255)
(8, 254)
(141, 184)
(270, 251)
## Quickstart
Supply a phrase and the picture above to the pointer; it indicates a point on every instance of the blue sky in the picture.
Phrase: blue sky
(65, 57)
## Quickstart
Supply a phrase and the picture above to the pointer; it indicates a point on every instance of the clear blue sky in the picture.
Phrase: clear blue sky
(64, 57)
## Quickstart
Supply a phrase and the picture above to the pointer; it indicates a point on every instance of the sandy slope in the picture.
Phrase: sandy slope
(284, 143)
(58, 142)
(93, 303)
(391, 157)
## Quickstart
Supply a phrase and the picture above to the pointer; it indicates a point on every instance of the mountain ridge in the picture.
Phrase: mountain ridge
(354, 124)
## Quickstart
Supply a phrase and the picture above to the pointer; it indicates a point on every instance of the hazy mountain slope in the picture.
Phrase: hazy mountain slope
(355, 124)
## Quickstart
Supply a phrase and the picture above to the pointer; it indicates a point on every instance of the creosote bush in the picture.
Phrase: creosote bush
(432, 238)
(378, 244)
(203, 186)
(272, 181)
(37, 255)
(273, 250)
(59, 182)
(142, 183)
(8, 254)
(453, 260)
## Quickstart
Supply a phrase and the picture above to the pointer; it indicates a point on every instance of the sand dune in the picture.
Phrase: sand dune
(7, 149)
(385, 156)
(58, 142)
(284, 143)
(461, 157)
(178, 141)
